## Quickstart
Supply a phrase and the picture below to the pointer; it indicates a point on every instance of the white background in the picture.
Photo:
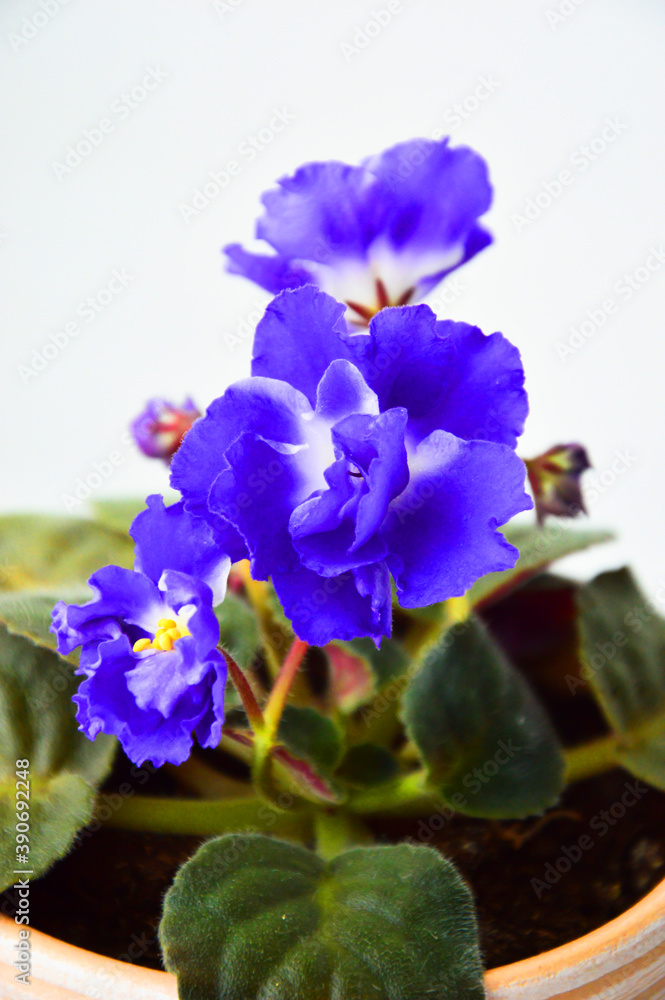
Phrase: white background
(555, 81)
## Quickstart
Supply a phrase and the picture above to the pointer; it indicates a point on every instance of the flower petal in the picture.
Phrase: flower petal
(272, 272)
(442, 530)
(257, 493)
(322, 211)
(449, 376)
(171, 537)
(298, 338)
(323, 609)
(266, 407)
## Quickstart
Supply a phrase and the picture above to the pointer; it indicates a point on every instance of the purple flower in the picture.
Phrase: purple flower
(160, 428)
(350, 457)
(380, 234)
(153, 674)
(555, 480)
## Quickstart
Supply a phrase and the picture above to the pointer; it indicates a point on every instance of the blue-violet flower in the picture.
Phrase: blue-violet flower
(348, 457)
(379, 234)
(153, 674)
(160, 427)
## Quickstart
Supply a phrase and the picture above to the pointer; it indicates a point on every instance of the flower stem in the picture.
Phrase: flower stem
(250, 704)
(266, 737)
(592, 758)
(337, 831)
(196, 817)
(198, 777)
(278, 696)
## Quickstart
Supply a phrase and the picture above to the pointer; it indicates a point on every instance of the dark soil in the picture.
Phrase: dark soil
(538, 884)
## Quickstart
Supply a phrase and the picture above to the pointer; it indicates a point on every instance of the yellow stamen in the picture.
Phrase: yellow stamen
(164, 642)
(141, 644)
(166, 623)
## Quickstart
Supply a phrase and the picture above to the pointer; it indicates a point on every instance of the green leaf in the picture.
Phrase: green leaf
(367, 765)
(387, 663)
(622, 650)
(538, 548)
(28, 613)
(37, 724)
(239, 632)
(250, 918)
(489, 747)
(118, 514)
(312, 737)
(50, 553)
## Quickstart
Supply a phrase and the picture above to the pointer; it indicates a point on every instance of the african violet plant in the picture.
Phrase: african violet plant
(347, 495)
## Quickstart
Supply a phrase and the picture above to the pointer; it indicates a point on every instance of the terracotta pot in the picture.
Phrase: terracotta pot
(624, 960)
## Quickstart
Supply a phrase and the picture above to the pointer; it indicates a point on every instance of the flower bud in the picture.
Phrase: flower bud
(555, 480)
(160, 428)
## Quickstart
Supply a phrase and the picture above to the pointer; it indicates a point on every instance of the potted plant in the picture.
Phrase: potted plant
(378, 730)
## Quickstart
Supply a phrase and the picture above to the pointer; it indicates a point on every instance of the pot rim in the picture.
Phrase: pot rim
(575, 964)
(585, 959)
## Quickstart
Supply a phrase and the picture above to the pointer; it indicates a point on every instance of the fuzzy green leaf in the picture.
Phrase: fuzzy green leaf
(622, 651)
(118, 514)
(239, 632)
(367, 765)
(312, 737)
(538, 548)
(52, 553)
(489, 747)
(250, 918)
(37, 724)
(28, 613)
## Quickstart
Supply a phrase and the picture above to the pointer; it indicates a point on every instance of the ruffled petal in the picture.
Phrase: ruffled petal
(448, 375)
(441, 531)
(171, 537)
(272, 272)
(299, 336)
(436, 193)
(376, 446)
(105, 704)
(257, 493)
(326, 608)
(264, 406)
(121, 596)
(324, 211)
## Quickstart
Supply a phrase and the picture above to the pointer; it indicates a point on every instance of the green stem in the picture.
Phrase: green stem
(242, 686)
(337, 831)
(592, 758)
(195, 817)
(274, 637)
(206, 781)
(410, 794)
